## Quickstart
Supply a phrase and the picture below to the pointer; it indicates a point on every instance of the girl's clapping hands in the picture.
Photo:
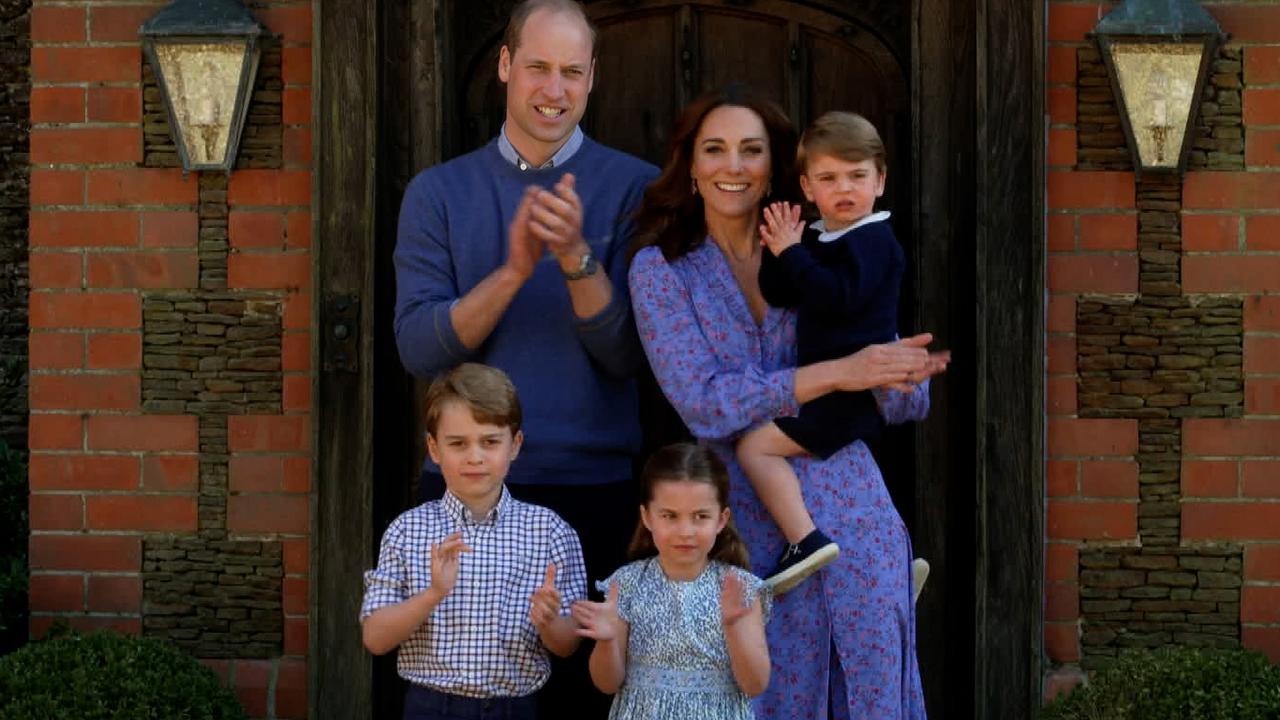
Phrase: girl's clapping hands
(732, 609)
(599, 620)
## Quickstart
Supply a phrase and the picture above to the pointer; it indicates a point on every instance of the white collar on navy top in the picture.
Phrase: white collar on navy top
(824, 236)
(562, 155)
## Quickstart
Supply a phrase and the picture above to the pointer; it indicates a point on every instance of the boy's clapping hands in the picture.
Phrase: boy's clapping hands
(445, 561)
(558, 632)
(544, 604)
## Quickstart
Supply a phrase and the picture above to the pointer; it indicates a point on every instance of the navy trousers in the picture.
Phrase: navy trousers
(422, 703)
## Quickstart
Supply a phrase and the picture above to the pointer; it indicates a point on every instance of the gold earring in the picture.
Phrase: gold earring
(694, 183)
(768, 189)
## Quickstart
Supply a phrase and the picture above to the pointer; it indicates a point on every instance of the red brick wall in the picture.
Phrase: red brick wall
(102, 231)
(1231, 238)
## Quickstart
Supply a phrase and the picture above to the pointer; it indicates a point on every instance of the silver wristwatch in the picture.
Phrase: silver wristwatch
(586, 268)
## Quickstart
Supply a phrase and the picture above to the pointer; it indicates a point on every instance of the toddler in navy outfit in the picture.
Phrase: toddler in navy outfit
(842, 275)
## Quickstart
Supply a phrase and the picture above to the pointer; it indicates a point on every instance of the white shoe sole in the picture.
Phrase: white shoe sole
(919, 573)
(797, 573)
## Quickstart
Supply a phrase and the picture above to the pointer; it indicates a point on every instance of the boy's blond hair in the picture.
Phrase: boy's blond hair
(486, 391)
(844, 135)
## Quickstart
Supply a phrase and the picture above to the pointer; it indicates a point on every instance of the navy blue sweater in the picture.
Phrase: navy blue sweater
(574, 376)
(845, 291)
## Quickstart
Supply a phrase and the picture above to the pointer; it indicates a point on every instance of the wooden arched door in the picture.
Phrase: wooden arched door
(655, 57)
(956, 87)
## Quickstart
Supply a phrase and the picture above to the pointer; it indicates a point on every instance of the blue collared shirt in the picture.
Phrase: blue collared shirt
(562, 155)
(478, 641)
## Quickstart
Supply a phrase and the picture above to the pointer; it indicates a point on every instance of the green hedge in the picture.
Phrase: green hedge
(13, 548)
(1176, 684)
(106, 676)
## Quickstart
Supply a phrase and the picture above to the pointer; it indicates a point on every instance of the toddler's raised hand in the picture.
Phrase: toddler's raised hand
(782, 227)
(544, 604)
(732, 609)
(445, 561)
(599, 621)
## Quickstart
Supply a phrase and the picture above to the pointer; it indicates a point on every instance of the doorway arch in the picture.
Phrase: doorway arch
(391, 98)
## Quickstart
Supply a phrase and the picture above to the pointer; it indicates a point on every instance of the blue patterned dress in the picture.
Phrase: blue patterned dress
(842, 644)
(677, 660)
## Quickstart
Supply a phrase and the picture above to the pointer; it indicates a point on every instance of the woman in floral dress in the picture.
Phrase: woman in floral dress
(842, 646)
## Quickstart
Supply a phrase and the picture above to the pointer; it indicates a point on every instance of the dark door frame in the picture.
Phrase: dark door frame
(978, 141)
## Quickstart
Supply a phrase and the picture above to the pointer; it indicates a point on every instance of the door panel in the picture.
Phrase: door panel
(635, 100)
(657, 57)
(399, 81)
(811, 57)
(750, 48)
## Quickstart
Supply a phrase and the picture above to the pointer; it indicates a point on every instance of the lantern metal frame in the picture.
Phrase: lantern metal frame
(198, 22)
(1159, 22)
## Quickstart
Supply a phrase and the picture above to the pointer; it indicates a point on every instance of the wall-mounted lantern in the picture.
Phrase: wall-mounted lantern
(1157, 53)
(205, 56)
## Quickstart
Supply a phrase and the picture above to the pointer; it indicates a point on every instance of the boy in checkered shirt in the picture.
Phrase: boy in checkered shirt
(474, 588)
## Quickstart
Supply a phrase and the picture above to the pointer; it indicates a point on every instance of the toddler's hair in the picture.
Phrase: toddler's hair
(486, 391)
(687, 462)
(844, 135)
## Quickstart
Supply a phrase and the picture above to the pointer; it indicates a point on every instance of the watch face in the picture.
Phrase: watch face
(586, 268)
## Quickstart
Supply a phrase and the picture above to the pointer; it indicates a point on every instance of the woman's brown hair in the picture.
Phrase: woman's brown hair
(671, 214)
(687, 462)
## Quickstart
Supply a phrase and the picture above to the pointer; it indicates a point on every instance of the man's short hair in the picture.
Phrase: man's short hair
(844, 135)
(515, 26)
(486, 391)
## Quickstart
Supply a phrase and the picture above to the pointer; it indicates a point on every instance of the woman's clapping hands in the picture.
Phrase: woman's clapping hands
(900, 365)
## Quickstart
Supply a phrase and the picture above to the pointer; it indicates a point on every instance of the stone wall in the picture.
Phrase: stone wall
(15, 91)
(1157, 358)
(208, 353)
(215, 599)
(171, 372)
(1163, 359)
(1151, 597)
(212, 354)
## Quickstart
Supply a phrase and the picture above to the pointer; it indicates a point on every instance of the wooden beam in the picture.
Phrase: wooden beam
(943, 67)
(1009, 454)
(342, 535)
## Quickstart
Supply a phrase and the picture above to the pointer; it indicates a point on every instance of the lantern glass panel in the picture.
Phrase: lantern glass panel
(203, 80)
(1158, 81)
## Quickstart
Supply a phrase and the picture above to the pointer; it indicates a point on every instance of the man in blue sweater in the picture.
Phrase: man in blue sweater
(515, 255)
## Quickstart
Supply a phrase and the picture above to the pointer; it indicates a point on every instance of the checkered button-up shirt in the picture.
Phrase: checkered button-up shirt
(478, 641)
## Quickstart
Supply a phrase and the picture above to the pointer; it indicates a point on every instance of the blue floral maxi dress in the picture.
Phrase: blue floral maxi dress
(677, 658)
(843, 643)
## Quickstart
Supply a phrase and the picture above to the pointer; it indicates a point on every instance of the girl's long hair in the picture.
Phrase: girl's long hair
(687, 462)
(671, 214)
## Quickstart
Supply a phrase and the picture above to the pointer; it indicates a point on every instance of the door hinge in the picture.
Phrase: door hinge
(342, 333)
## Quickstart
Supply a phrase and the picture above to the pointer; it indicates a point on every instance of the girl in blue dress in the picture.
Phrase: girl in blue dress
(680, 635)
